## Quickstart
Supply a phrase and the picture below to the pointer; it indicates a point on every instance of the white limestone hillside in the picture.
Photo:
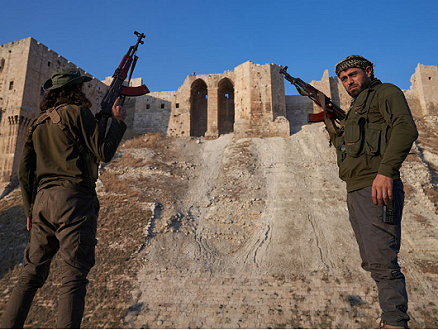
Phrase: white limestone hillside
(271, 211)
(249, 233)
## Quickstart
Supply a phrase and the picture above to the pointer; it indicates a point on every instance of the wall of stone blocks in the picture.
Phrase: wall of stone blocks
(260, 106)
(259, 101)
(298, 109)
(423, 93)
(152, 112)
(25, 65)
(179, 299)
(181, 118)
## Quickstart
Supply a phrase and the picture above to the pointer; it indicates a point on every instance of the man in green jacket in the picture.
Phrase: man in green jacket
(59, 159)
(376, 138)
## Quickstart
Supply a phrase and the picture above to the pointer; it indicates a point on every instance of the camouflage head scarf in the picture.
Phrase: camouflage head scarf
(353, 61)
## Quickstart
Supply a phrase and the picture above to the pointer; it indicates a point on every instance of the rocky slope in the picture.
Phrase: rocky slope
(252, 233)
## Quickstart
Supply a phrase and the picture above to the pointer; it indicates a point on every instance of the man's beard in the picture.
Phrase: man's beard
(357, 89)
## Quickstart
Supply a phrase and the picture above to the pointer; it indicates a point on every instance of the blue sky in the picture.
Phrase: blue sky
(189, 36)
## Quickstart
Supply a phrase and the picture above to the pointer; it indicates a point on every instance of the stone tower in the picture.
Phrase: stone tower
(24, 67)
(423, 94)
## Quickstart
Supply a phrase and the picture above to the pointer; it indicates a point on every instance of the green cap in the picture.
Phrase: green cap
(65, 77)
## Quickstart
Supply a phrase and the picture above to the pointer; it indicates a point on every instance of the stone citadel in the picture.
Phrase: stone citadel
(249, 101)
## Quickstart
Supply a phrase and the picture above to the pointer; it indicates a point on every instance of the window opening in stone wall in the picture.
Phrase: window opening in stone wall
(225, 106)
(11, 85)
(148, 106)
(162, 105)
(177, 105)
(49, 63)
(198, 108)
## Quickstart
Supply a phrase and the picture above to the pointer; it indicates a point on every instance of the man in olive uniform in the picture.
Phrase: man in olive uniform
(60, 152)
(376, 138)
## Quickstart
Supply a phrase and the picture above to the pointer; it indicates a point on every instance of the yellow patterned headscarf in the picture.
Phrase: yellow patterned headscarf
(353, 61)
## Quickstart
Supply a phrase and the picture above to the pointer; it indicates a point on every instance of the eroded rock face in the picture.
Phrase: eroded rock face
(250, 233)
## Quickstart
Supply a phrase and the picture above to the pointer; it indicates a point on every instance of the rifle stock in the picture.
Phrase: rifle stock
(330, 109)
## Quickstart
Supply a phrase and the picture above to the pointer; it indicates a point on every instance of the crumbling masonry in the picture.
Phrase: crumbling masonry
(249, 101)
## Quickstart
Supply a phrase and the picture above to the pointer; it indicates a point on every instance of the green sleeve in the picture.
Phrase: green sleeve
(104, 149)
(395, 109)
(26, 174)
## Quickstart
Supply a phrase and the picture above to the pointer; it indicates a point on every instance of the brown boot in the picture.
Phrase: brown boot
(384, 325)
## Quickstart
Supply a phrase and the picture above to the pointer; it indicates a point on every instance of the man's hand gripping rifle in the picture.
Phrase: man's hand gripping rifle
(117, 88)
(331, 114)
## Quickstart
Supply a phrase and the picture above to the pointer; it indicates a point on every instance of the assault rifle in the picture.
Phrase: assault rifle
(117, 88)
(330, 109)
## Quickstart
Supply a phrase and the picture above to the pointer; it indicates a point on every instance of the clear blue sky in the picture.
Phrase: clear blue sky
(189, 36)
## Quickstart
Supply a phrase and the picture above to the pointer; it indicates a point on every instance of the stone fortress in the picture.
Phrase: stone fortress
(249, 101)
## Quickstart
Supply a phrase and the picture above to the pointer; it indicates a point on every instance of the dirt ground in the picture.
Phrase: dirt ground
(243, 209)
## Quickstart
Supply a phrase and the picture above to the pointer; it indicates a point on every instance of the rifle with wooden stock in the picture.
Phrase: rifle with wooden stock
(330, 109)
(117, 87)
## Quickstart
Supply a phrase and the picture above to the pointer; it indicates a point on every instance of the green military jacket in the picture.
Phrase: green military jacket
(56, 160)
(378, 135)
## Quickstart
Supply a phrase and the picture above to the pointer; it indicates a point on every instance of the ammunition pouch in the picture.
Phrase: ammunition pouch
(340, 149)
(361, 136)
(354, 136)
(376, 139)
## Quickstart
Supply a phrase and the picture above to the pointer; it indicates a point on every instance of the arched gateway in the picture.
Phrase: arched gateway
(198, 108)
(225, 106)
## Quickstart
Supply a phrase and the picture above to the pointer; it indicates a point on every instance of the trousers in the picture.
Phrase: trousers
(64, 221)
(379, 245)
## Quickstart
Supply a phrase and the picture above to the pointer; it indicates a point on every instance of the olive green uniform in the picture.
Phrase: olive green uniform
(379, 132)
(64, 216)
(378, 135)
(60, 163)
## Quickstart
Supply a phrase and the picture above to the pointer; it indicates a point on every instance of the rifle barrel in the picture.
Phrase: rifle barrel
(313, 93)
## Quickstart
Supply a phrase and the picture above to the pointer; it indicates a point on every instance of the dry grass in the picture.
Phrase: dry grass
(112, 183)
(432, 194)
(422, 220)
(428, 266)
(13, 233)
(128, 161)
(150, 140)
(409, 189)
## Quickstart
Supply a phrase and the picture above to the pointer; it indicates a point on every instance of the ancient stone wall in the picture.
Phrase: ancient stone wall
(24, 67)
(249, 101)
(152, 112)
(202, 105)
(256, 100)
(298, 109)
(260, 101)
(13, 61)
(423, 93)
